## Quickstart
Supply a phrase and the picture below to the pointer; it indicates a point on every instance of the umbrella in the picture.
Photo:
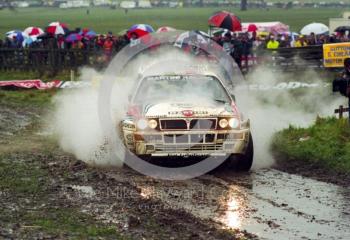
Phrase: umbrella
(140, 30)
(192, 36)
(165, 29)
(55, 24)
(73, 37)
(342, 29)
(316, 28)
(252, 28)
(15, 33)
(90, 34)
(56, 30)
(33, 31)
(225, 20)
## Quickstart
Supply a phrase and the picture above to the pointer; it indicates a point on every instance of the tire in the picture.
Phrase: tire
(243, 162)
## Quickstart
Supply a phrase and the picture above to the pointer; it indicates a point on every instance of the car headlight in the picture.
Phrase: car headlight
(152, 124)
(142, 124)
(233, 123)
(223, 123)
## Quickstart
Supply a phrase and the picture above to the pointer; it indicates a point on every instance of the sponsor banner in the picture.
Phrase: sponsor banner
(81, 84)
(334, 54)
(36, 83)
(283, 86)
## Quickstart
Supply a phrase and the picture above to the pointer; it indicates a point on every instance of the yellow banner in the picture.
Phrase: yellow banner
(335, 53)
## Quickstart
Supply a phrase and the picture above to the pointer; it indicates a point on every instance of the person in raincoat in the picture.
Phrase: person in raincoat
(273, 43)
(227, 43)
(108, 48)
(300, 42)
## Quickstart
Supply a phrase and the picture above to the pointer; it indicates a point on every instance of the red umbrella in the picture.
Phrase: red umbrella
(56, 30)
(33, 31)
(58, 24)
(252, 28)
(140, 30)
(226, 20)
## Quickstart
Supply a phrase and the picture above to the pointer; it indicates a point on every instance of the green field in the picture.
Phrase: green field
(103, 19)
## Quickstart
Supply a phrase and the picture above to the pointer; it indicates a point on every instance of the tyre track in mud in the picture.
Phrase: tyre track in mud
(269, 203)
(291, 206)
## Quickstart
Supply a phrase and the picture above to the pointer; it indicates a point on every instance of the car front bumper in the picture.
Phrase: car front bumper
(188, 143)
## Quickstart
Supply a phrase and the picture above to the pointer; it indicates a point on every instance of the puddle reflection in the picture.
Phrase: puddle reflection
(232, 215)
(235, 202)
(146, 192)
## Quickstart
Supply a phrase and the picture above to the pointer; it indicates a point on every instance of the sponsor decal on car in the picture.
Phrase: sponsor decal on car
(187, 113)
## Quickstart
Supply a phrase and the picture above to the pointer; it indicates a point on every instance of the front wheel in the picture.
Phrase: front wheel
(243, 162)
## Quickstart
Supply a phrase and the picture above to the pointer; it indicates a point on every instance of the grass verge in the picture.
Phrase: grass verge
(25, 75)
(325, 144)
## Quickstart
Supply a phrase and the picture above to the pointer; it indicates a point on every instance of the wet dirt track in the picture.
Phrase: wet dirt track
(281, 206)
(268, 203)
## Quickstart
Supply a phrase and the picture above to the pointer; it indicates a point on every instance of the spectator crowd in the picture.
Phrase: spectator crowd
(242, 46)
(104, 42)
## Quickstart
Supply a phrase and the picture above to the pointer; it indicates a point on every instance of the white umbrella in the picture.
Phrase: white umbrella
(186, 37)
(58, 24)
(316, 28)
(16, 33)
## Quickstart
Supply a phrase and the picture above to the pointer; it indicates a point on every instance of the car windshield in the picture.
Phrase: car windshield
(181, 88)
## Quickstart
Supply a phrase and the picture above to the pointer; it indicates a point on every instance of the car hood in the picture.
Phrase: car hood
(178, 110)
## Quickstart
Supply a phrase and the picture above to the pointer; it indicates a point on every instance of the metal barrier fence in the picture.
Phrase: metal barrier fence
(294, 59)
(51, 59)
(55, 60)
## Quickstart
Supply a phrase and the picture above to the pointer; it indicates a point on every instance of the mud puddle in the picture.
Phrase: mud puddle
(269, 203)
(281, 205)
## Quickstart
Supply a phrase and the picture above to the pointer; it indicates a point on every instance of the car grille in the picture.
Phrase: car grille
(194, 124)
(189, 138)
(187, 147)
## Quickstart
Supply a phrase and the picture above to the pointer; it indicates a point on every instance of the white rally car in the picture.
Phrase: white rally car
(186, 115)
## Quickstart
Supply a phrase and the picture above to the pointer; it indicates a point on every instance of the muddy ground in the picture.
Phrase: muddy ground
(48, 194)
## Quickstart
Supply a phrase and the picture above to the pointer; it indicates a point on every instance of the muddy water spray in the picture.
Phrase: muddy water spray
(78, 127)
(275, 109)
